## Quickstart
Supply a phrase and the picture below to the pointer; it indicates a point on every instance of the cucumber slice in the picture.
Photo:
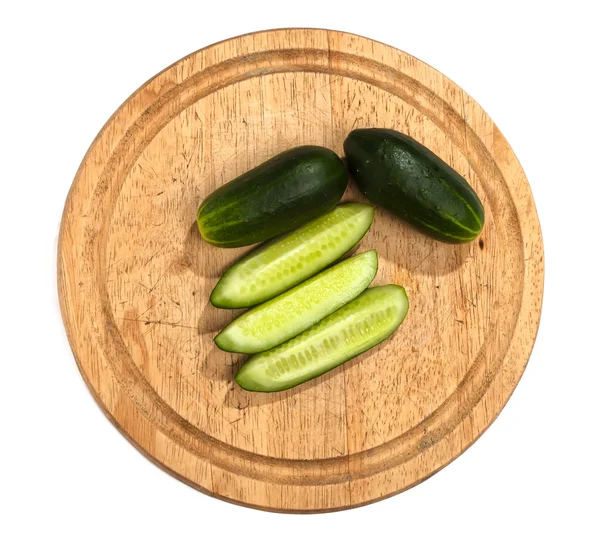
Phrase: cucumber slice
(287, 315)
(288, 260)
(359, 325)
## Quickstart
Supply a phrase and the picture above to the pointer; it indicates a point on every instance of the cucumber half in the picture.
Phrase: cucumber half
(288, 260)
(287, 315)
(359, 325)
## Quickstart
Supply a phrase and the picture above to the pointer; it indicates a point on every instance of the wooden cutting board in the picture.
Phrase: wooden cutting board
(135, 276)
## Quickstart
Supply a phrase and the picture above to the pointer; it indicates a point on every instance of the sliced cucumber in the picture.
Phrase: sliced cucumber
(359, 325)
(287, 315)
(288, 260)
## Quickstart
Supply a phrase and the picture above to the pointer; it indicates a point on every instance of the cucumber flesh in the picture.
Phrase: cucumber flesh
(359, 325)
(288, 260)
(287, 315)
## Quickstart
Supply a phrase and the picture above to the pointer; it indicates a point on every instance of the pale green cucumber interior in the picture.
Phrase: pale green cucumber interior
(283, 317)
(288, 260)
(351, 330)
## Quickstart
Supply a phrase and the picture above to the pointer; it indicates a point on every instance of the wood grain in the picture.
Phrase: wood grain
(135, 276)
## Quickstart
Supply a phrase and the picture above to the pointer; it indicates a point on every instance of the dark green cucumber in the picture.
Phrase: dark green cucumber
(279, 195)
(406, 178)
(359, 325)
(288, 260)
(287, 315)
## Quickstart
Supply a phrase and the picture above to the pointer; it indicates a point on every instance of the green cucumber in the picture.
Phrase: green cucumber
(290, 259)
(403, 176)
(277, 196)
(287, 315)
(359, 325)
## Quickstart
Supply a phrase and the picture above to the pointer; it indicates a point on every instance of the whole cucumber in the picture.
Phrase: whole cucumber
(403, 176)
(279, 195)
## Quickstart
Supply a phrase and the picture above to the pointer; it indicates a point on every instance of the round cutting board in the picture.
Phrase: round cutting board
(135, 276)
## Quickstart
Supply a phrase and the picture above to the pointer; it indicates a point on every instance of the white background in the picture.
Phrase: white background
(68, 480)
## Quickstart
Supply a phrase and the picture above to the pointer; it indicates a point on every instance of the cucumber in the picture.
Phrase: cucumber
(277, 196)
(287, 315)
(403, 176)
(290, 259)
(359, 325)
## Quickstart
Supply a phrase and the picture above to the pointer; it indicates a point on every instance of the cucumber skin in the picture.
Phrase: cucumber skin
(252, 387)
(225, 343)
(393, 170)
(219, 302)
(279, 195)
